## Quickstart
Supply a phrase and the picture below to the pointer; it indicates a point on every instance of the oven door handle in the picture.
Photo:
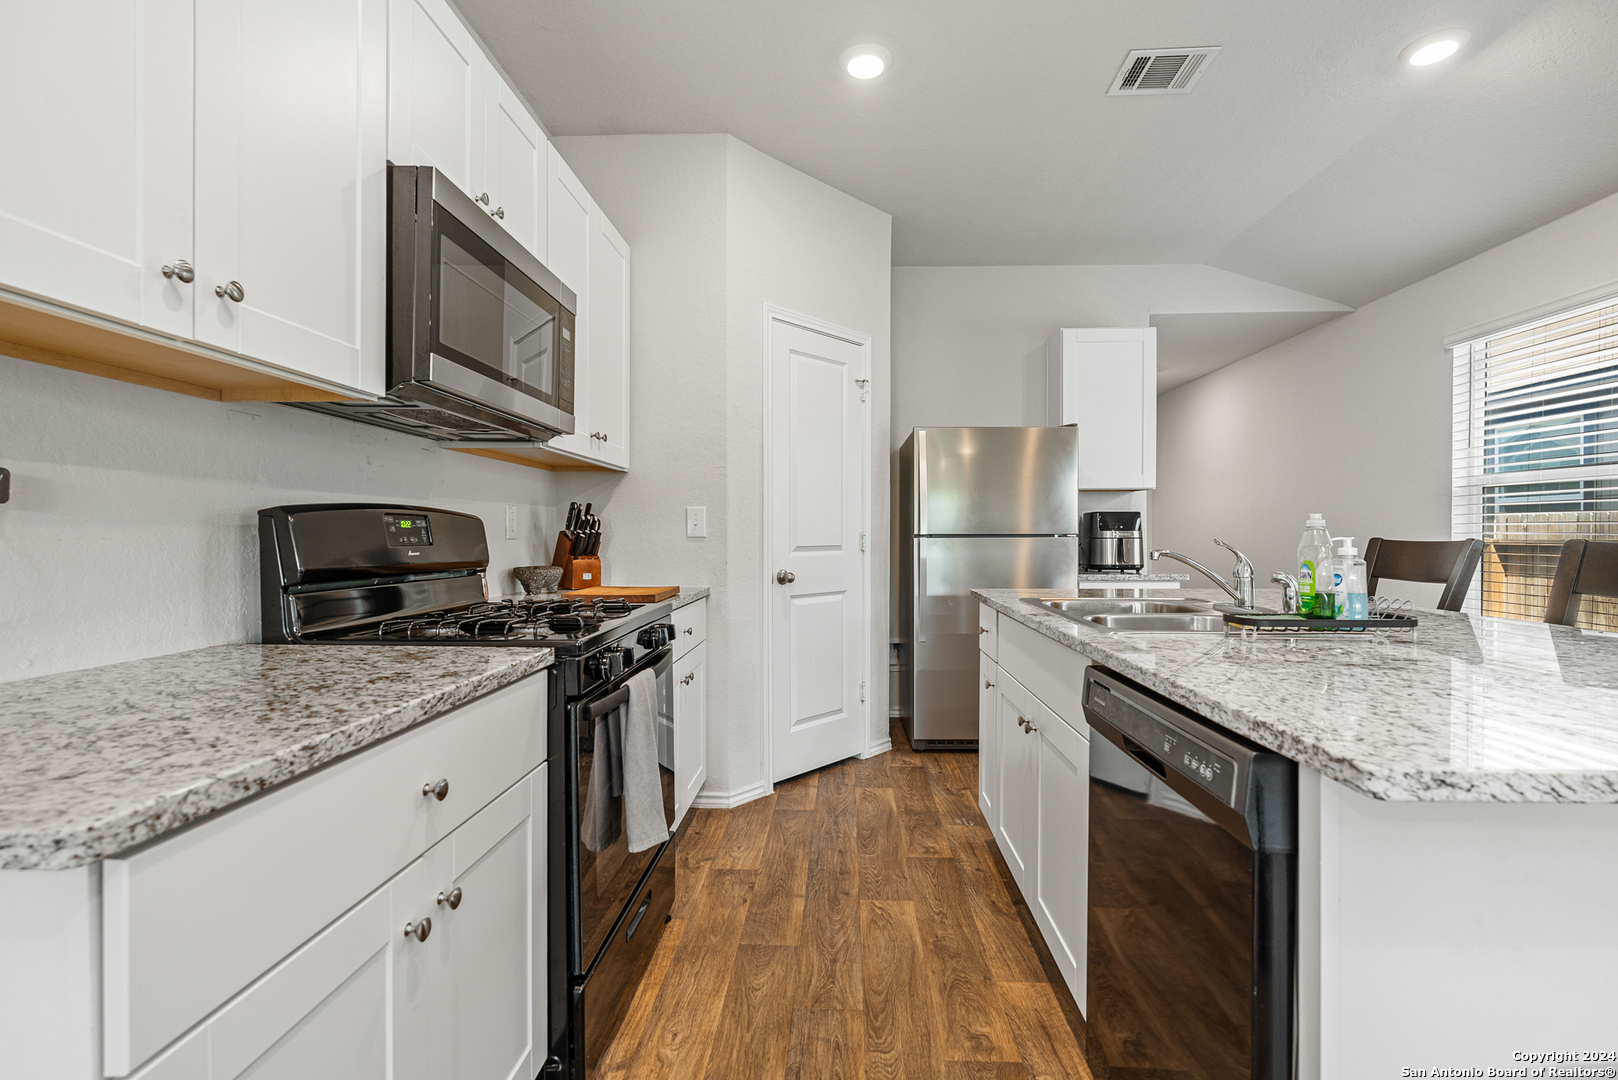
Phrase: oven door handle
(618, 698)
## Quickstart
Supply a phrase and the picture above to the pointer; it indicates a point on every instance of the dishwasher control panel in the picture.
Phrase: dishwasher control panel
(1159, 744)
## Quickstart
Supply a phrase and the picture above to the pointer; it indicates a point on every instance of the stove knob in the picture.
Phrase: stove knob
(650, 638)
(599, 666)
(665, 633)
(626, 659)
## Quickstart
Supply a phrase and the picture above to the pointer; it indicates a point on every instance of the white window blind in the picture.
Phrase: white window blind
(1536, 454)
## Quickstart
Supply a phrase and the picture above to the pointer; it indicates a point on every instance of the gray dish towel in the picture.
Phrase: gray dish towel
(642, 783)
(601, 822)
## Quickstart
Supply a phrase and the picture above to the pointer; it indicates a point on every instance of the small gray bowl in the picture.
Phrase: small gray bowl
(538, 579)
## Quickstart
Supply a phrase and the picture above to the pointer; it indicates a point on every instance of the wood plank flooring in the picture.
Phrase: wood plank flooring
(858, 924)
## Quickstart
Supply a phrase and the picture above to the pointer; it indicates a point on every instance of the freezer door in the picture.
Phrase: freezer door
(945, 632)
(996, 481)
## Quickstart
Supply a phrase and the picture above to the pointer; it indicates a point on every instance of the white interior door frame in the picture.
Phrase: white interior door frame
(772, 316)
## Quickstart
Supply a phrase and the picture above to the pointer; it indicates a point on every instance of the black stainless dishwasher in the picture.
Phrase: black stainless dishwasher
(1193, 877)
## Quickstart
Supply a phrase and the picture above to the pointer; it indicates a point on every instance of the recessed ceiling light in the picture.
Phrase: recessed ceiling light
(866, 61)
(1434, 47)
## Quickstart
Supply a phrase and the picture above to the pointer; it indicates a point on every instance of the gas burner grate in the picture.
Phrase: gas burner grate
(503, 620)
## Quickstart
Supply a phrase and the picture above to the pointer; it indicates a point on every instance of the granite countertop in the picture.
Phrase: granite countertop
(1473, 710)
(97, 761)
(689, 595)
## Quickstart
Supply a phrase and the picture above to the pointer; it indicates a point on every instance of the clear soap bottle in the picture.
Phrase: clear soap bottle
(1349, 581)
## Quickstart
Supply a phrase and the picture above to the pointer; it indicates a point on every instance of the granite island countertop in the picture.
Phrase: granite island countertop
(93, 762)
(1472, 710)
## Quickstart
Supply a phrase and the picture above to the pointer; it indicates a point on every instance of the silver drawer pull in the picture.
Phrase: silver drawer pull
(983, 629)
(232, 291)
(987, 684)
(500, 212)
(688, 630)
(688, 677)
(182, 270)
(419, 930)
(438, 790)
(452, 898)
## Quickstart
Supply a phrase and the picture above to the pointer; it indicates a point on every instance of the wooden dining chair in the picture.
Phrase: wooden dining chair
(1451, 563)
(1585, 568)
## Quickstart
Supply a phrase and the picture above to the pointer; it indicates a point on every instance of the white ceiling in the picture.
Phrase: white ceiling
(1306, 156)
(1192, 345)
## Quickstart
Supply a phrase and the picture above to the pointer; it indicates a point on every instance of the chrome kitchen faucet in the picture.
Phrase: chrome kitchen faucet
(1241, 592)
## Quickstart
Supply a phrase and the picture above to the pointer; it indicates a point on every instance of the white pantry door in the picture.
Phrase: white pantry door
(815, 497)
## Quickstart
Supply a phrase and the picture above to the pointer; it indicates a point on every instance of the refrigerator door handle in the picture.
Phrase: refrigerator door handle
(921, 482)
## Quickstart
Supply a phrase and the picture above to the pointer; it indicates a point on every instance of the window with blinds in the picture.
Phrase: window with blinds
(1536, 454)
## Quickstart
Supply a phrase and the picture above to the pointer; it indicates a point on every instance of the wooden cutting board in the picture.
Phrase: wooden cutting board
(635, 594)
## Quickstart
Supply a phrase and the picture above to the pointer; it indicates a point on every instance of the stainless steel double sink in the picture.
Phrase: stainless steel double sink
(1132, 616)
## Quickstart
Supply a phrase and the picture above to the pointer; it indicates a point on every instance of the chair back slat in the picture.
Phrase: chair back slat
(1585, 568)
(1451, 563)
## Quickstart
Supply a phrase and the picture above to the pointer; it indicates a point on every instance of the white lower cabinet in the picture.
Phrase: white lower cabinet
(1035, 789)
(988, 743)
(690, 727)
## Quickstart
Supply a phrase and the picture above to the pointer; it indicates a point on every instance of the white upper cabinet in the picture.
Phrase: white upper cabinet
(291, 168)
(95, 197)
(515, 165)
(568, 252)
(608, 335)
(1105, 383)
(436, 76)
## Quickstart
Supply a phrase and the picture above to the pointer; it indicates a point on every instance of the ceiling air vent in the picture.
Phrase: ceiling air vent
(1162, 71)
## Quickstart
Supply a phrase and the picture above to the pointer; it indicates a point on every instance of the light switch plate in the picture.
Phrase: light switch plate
(511, 522)
(696, 521)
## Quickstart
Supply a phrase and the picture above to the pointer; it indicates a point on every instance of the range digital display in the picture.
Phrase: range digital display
(408, 531)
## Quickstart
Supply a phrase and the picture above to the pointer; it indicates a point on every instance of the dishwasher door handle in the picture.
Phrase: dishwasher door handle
(1146, 758)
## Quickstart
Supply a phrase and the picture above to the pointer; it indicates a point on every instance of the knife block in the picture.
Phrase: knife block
(578, 572)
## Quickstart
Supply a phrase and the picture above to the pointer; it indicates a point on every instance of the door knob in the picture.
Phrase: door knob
(419, 930)
(233, 291)
(785, 577)
(438, 790)
(182, 270)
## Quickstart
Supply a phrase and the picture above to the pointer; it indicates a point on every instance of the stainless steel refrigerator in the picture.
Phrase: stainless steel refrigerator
(979, 508)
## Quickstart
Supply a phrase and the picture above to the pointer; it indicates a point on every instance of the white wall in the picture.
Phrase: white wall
(132, 527)
(961, 333)
(797, 244)
(717, 231)
(1352, 418)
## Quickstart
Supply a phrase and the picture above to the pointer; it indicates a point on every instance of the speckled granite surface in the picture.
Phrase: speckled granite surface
(96, 761)
(1475, 710)
(690, 595)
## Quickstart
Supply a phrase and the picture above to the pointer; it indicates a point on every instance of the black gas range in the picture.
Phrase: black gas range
(373, 574)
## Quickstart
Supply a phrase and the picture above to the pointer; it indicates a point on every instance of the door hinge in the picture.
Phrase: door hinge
(862, 541)
(862, 690)
(865, 388)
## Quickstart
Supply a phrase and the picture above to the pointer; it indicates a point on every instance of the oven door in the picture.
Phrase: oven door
(607, 878)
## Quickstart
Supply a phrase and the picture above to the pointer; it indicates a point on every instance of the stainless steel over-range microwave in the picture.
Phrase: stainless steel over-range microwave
(480, 333)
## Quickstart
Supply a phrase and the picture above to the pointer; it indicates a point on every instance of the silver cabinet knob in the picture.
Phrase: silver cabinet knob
(452, 898)
(232, 291)
(484, 198)
(1029, 729)
(437, 791)
(419, 930)
(983, 629)
(688, 677)
(688, 630)
(785, 577)
(500, 212)
(182, 270)
(987, 684)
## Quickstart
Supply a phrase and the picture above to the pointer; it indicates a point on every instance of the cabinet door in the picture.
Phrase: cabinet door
(568, 257)
(480, 1026)
(436, 92)
(608, 335)
(1105, 382)
(291, 183)
(690, 727)
(1060, 893)
(95, 197)
(988, 742)
(515, 164)
(320, 1015)
(1015, 710)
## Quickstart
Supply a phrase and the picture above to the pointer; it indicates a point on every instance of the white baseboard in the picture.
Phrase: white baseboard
(878, 748)
(708, 799)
